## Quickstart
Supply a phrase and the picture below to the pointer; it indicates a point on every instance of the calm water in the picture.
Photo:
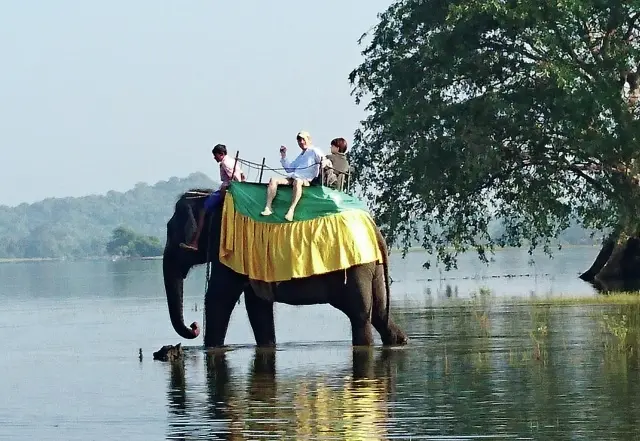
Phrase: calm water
(474, 368)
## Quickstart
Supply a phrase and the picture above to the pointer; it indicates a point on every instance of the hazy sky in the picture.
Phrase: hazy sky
(97, 96)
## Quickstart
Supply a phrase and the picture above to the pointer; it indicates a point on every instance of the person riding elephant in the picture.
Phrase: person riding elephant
(301, 171)
(335, 175)
(229, 171)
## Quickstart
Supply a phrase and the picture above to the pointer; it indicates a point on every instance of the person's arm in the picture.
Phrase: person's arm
(288, 166)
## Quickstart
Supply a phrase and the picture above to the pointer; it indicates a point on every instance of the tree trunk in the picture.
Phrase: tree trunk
(617, 266)
(608, 244)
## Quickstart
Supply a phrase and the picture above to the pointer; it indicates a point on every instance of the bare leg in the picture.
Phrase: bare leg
(295, 198)
(193, 245)
(272, 189)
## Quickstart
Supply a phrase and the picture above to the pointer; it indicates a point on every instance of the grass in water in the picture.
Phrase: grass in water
(630, 298)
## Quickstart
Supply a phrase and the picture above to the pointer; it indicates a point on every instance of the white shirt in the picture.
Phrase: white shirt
(306, 165)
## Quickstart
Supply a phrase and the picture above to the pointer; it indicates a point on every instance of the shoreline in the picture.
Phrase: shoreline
(115, 258)
(72, 259)
(523, 247)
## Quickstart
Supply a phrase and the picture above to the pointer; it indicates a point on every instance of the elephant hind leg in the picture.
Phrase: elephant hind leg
(260, 313)
(361, 334)
(390, 332)
(354, 299)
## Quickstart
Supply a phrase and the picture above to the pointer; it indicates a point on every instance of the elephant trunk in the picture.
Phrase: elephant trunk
(173, 285)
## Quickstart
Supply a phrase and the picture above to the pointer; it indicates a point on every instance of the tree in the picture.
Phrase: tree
(125, 242)
(521, 110)
(121, 239)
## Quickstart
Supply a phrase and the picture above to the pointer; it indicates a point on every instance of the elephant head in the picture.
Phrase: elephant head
(176, 261)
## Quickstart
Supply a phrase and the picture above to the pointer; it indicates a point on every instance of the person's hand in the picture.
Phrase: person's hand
(283, 151)
(326, 163)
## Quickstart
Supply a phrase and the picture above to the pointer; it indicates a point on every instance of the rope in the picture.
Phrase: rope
(254, 165)
(251, 165)
(207, 276)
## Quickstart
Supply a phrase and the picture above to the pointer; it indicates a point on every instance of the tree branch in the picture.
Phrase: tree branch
(586, 38)
(612, 25)
(594, 182)
(564, 44)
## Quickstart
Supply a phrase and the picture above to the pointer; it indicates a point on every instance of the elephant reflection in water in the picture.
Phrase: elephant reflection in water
(357, 409)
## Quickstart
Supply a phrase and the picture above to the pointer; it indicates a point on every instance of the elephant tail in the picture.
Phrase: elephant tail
(385, 266)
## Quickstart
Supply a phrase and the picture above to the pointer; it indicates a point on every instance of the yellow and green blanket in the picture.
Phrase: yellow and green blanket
(331, 231)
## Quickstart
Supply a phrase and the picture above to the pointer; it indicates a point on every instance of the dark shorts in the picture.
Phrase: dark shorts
(212, 200)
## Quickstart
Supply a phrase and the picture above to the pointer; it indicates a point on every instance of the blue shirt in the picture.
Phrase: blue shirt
(305, 166)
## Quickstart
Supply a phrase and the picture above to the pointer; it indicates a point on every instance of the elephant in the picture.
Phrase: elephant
(361, 291)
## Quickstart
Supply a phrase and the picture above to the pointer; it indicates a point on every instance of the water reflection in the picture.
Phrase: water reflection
(350, 404)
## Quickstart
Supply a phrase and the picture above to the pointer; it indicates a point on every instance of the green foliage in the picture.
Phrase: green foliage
(523, 111)
(81, 227)
(125, 242)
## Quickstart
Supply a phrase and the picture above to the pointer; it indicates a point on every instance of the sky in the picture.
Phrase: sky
(98, 96)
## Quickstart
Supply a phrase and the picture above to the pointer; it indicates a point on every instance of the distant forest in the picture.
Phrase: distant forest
(131, 223)
(82, 227)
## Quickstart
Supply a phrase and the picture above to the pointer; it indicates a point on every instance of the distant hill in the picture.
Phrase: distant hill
(82, 226)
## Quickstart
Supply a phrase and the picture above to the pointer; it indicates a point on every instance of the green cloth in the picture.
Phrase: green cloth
(249, 199)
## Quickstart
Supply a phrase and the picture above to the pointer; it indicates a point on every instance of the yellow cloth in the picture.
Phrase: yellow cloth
(275, 252)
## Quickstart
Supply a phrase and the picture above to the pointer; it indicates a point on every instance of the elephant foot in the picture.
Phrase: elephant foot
(397, 338)
(400, 340)
(266, 344)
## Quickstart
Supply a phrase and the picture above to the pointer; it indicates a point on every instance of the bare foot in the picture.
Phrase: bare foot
(289, 216)
(266, 212)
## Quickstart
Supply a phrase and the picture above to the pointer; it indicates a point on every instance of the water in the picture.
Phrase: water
(475, 368)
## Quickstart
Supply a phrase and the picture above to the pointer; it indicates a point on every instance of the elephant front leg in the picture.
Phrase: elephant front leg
(260, 313)
(220, 299)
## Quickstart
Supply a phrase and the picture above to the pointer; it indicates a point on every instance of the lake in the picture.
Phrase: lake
(482, 362)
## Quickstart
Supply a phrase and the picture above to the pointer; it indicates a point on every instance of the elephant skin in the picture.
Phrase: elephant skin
(361, 292)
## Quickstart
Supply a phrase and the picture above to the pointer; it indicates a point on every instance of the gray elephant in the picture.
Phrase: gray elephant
(360, 291)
